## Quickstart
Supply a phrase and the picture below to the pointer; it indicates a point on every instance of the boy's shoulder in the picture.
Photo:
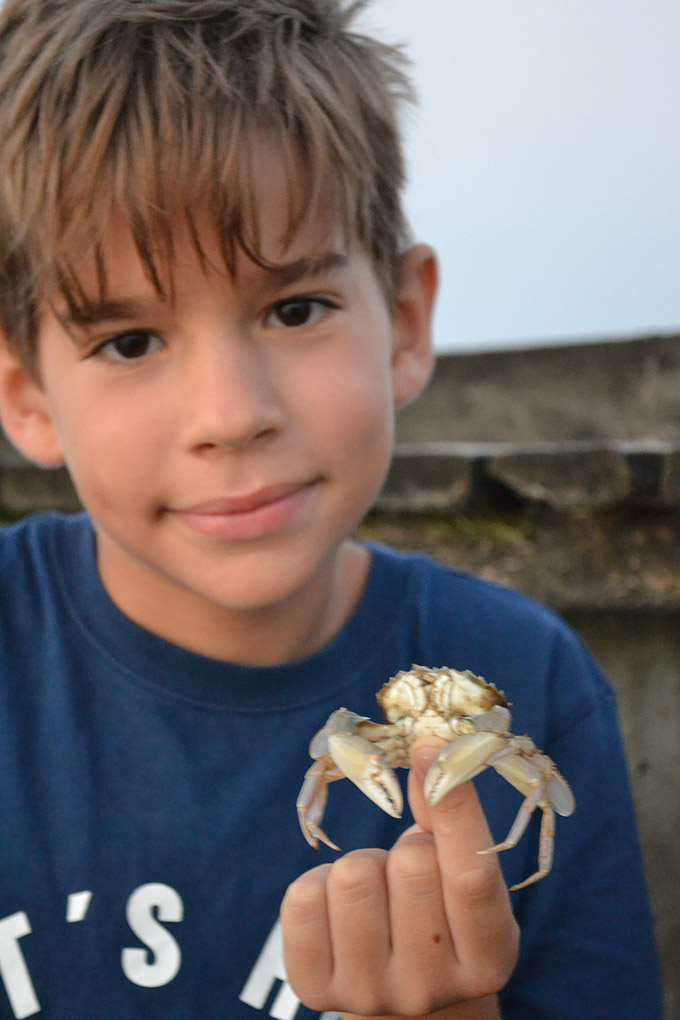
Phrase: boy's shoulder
(445, 590)
(34, 537)
(456, 619)
(40, 552)
(45, 569)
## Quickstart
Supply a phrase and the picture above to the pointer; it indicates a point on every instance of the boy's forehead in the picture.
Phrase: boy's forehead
(275, 238)
(119, 271)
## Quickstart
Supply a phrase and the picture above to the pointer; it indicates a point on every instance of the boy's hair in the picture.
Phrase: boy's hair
(155, 108)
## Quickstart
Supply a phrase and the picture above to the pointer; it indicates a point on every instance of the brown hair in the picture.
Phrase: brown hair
(153, 105)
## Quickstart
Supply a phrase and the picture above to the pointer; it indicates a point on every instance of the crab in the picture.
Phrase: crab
(472, 716)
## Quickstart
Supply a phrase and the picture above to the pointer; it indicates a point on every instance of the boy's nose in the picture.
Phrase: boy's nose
(229, 398)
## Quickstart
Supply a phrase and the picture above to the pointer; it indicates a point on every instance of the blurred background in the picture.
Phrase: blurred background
(545, 161)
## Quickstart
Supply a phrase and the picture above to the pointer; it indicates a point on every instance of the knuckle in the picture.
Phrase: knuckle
(421, 988)
(415, 1005)
(510, 957)
(365, 1004)
(479, 887)
(494, 966)
(413, 861)
(491, 977)
(304, 896)
(356, 876)
(414, 1000)
(315, 998)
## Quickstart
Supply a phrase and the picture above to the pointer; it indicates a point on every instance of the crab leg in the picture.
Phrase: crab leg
(546, 845)
(561, 797)
(546, 839)
(340, 753)
(517, 830)
(469, 754)
(311, 802)
(544, 787)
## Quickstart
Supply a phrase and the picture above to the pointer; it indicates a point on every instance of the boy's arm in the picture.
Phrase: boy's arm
(424, 927)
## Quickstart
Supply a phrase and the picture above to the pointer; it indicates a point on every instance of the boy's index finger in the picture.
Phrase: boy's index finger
(457, 822)
(474, 893)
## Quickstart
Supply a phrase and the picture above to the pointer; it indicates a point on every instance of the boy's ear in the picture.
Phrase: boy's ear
(25, 412)
(412, 353)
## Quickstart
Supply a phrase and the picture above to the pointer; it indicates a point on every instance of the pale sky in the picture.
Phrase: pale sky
(545, 164)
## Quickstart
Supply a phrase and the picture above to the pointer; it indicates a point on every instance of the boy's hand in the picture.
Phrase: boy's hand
(410, 931)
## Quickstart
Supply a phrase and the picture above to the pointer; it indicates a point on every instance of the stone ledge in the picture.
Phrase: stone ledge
(442, 477)
(446, 476)
(576, 525)
(571, 560)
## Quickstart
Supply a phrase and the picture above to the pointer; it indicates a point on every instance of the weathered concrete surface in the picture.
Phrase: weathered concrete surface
(626, 390)
(580, 560)
(593, 477)
(641, 655)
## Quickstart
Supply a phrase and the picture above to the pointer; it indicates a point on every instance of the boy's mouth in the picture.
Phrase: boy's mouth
(255, 515)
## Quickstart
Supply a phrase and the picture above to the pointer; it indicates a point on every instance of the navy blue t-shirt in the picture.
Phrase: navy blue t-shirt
(148, 828)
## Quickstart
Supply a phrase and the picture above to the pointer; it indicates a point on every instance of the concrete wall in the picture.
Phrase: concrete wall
(640, 652)
(626, 390)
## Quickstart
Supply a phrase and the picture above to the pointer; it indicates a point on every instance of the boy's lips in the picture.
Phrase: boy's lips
(254, 515)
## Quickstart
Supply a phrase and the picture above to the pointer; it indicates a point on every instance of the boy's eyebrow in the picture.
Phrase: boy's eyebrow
(291, 272)
(102, 311)
(124, 309)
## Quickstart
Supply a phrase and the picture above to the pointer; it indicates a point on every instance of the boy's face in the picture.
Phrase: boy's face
(227, 441)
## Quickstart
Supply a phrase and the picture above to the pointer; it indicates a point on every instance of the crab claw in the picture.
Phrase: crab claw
(461, 759)
(358, 760)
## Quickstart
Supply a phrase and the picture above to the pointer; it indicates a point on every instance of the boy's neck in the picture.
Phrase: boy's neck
(262, 637)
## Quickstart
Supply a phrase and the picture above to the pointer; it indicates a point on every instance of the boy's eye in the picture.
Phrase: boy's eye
(298, 311)
(130, 346)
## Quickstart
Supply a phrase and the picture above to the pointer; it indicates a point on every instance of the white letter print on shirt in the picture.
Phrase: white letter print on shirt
(269, 969)
(147, 903)
(13, 969)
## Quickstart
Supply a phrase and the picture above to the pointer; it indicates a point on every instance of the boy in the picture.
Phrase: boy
(209, 311)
